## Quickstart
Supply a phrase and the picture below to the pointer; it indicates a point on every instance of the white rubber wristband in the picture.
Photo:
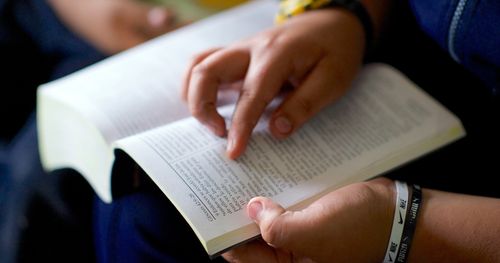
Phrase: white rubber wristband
(398, 222)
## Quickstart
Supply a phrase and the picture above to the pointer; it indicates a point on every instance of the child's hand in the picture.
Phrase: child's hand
(114, 25)
(318, 52)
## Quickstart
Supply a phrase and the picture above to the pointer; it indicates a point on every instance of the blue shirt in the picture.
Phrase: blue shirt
(469, 30)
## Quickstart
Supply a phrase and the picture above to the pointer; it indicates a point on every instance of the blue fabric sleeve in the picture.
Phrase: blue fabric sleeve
(35, 47)
(53, 38)
(469, 30)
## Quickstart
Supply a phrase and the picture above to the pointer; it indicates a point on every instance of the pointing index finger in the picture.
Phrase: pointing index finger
(264, 80)
(221, 67)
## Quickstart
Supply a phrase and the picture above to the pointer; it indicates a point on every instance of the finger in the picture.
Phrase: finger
(282, 229)
(162, 20)
(159, 18)
(226, 66)
(235, 86)
(256, 251)
(147, 20)
(320, 88)
(273, 220)
(263, 82)
(187, 74)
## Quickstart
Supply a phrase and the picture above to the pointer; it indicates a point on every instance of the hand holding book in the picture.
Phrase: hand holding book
(334, 228)
(124, 112)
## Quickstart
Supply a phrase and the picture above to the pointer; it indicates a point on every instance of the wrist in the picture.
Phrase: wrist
(292, 8)
(407, 204)
(385, 189)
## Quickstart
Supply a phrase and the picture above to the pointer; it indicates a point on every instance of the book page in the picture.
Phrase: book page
(80, 115)
(383, 119)
(139, 89)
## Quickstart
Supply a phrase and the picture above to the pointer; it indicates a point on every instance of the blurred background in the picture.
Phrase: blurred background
(48, 217)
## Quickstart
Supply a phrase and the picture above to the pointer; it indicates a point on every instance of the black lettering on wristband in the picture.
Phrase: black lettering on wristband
(410, 223)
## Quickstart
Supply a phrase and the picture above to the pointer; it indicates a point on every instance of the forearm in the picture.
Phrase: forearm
(457, 228)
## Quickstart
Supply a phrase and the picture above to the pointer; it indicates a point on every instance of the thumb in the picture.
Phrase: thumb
(278, 227)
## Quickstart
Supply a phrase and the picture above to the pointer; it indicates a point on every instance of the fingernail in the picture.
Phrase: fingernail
(254, 210)
(283, 125)
(157, 17)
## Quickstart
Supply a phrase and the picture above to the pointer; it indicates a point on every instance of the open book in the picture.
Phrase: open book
(129, 104)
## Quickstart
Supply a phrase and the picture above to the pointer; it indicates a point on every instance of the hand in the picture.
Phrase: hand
(114, 25)
(318, 52)
(351, 224)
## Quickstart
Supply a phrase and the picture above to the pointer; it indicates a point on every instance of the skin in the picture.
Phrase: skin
(352, 224)
(332, 229)
(319, 53)
(114, 25)
(295, 53)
